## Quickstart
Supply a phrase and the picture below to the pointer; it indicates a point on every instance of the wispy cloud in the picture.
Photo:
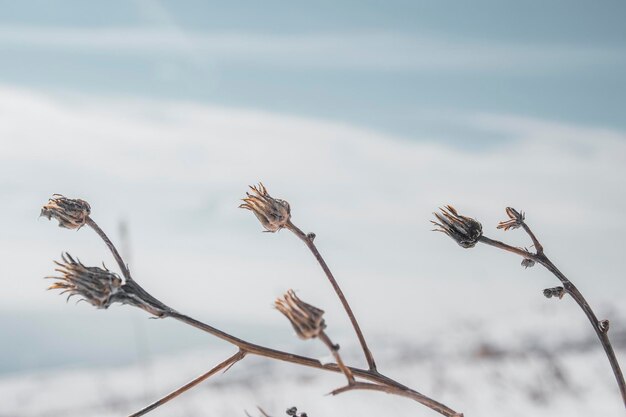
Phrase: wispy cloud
(360, 50)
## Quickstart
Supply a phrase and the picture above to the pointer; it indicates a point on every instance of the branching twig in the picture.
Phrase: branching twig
(334, 349)
(102, 288)
(456, 226)
(224, 365)
(275, 214)
(308, 240)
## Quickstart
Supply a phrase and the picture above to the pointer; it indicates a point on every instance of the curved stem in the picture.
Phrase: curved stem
(538, 246)
(508, 248)
(408, 393)
(334, 349)
(224, 365)
(602, 334)
(266, 352)
(571, 289)
(308, 240)
(118, 258)
(371, 374)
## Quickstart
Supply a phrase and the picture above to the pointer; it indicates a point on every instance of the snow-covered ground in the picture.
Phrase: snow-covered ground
(542, 361)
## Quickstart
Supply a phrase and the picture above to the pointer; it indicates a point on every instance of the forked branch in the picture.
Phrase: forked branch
(221, 366)
(467, 232)
(101, 288)
(275, 214)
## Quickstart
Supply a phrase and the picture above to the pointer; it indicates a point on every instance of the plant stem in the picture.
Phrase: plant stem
(334, 349)
(374, 376)
(382, 388)
(570, 289)
(161, 310)
(309, 242)
(224, 365)
(118, 258)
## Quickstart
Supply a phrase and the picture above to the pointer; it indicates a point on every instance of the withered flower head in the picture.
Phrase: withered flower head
(71, 213)
(306, 320)
(95, 285)
(273, 213)
(464, 230)
(516, 219)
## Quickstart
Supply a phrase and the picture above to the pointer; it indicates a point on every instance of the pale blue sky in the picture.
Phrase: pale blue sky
(391, 66)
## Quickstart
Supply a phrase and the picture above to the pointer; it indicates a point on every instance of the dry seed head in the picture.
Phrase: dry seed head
(273, 213)
(516, 219)
(95, 285)
(464, 230)
(307, 321)
(71, 213)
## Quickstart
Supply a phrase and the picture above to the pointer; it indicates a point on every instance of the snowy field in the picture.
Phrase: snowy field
(530, 363)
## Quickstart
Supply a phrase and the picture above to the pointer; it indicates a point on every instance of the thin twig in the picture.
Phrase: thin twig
(118, 258)
(569, 288)
(308, 240)
(263, 413)
(224, 365)
(408, 393)
(334, 349)
(250, 348)
(266, 352)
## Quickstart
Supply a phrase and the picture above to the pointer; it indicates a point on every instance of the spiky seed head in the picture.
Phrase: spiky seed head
(464, 230)
(93, 284)
(307, 321)
(273, 213)
(70, 213)
(516, 219)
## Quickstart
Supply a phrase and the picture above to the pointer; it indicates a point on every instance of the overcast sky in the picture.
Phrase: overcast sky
(365, 118)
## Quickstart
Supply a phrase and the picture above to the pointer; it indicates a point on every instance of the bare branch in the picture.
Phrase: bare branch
(516, 220)
(308, 240)
(408, 393)
(132, 293)
(224, 365)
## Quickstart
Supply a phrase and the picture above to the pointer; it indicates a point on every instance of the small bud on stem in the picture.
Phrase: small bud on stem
(556, 292)
(516, 219)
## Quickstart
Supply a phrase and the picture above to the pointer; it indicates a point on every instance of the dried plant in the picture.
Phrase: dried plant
(102, 288)
(467, 232)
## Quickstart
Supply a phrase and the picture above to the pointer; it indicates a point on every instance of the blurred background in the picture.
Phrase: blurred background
(366, 116)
